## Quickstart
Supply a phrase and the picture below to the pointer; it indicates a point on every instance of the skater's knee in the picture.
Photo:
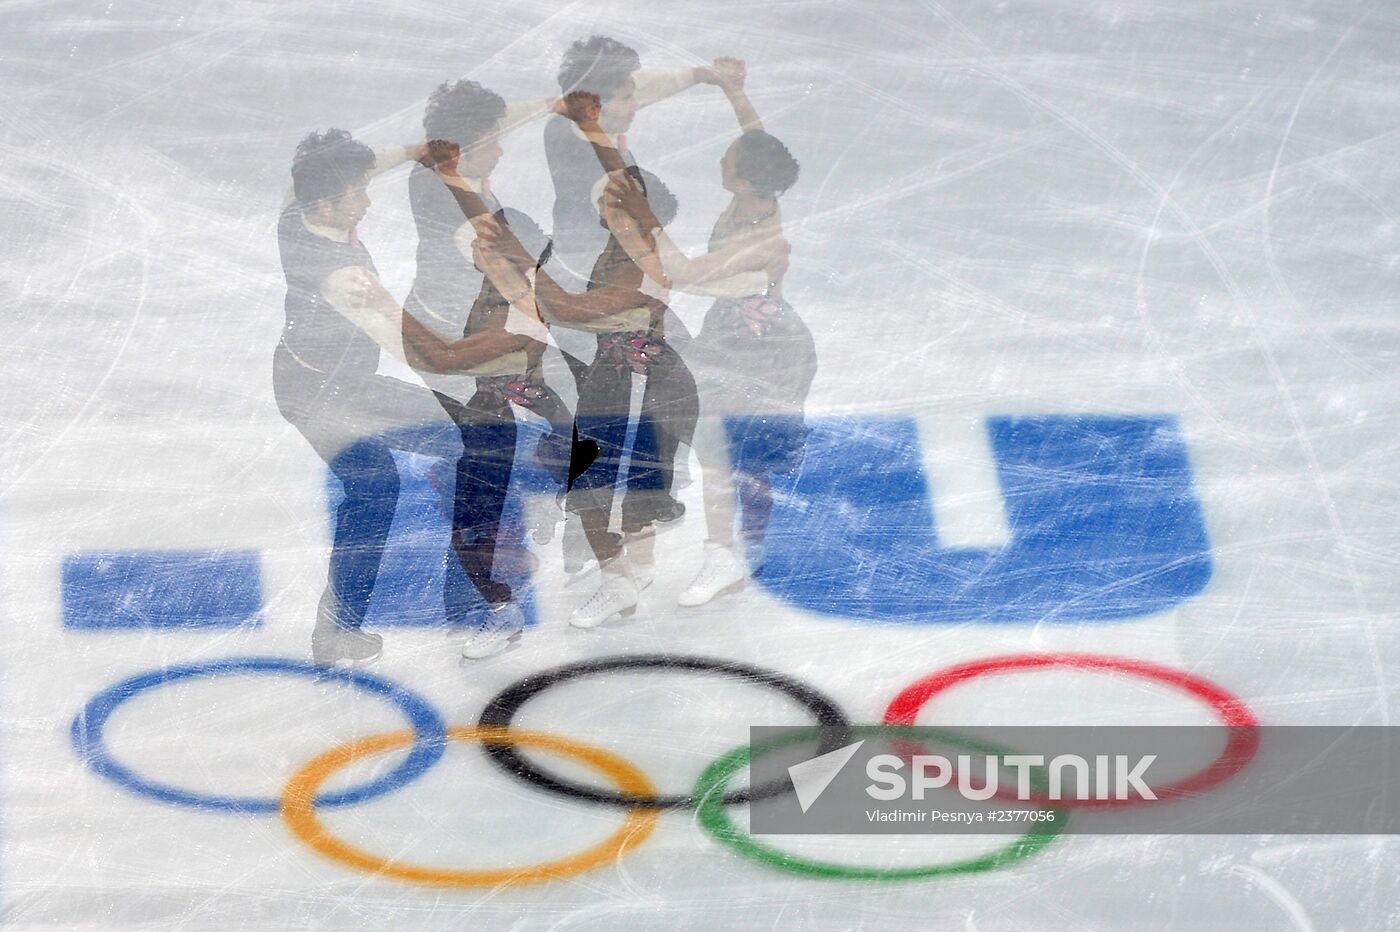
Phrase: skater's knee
(367, 469)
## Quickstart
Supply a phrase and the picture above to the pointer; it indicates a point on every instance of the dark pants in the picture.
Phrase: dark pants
(353, 424)
(667, 418)
(488, 430)
(370, 478)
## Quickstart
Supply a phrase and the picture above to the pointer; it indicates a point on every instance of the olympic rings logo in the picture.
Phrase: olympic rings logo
(642, 803)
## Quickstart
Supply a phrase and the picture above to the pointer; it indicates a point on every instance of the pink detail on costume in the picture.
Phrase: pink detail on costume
(759, 312)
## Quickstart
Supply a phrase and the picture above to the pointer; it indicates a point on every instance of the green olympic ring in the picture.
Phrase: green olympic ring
(714, 818)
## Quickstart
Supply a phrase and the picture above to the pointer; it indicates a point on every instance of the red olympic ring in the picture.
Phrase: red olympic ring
(1240, 747)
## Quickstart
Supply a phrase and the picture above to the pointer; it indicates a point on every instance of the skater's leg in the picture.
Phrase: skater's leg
(667, 418)
(756, 507)
(554, 452)
(722, 568)
(716, 480)
(483, 481)
(367, 473)
(603, 412)
(755, 503)
(675, 404)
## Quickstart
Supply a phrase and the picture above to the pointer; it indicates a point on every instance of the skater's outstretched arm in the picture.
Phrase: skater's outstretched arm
(522, 113)
(357, 293)
(763, 251)
(478, 354)
(621, 308)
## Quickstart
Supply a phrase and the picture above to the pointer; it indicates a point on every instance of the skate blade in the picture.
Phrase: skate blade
(727, 590)
(345, 663)
(621, 613)
(509, 643)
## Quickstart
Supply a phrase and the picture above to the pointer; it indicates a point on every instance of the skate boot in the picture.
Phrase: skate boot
(333, 643)
(722, 572)
(617, 595)
(502, 625)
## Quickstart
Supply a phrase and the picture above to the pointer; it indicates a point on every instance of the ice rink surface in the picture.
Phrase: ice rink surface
(1134, 254)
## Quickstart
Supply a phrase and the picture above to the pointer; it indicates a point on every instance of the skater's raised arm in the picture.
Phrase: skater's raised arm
(731, 74)
(652, 87)
(629, 217)
(485, 242)
(522, 113)
(442, 157)
(584, 108)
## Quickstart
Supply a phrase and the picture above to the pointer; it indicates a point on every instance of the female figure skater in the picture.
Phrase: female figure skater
(754, 357)
(631, 348)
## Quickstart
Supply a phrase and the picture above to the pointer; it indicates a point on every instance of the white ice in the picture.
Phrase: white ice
(1006, 207)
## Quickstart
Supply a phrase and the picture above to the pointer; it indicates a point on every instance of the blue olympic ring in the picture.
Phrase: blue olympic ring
(429, 743)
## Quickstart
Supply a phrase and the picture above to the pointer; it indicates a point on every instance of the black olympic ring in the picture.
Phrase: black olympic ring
(500, 712)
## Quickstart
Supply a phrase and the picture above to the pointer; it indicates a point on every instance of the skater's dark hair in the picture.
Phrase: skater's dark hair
(462, 112)
(598, 65)
(659, 197)
(328, 164)
(526, 230)
(765, 163)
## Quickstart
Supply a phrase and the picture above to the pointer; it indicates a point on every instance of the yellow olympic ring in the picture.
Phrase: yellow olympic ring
(298, 810)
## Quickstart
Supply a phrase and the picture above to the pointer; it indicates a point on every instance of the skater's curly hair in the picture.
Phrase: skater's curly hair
(328, 164)
(662, 202)
(462, 112)
(526, 230)
(765, 163)
(597, 64)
